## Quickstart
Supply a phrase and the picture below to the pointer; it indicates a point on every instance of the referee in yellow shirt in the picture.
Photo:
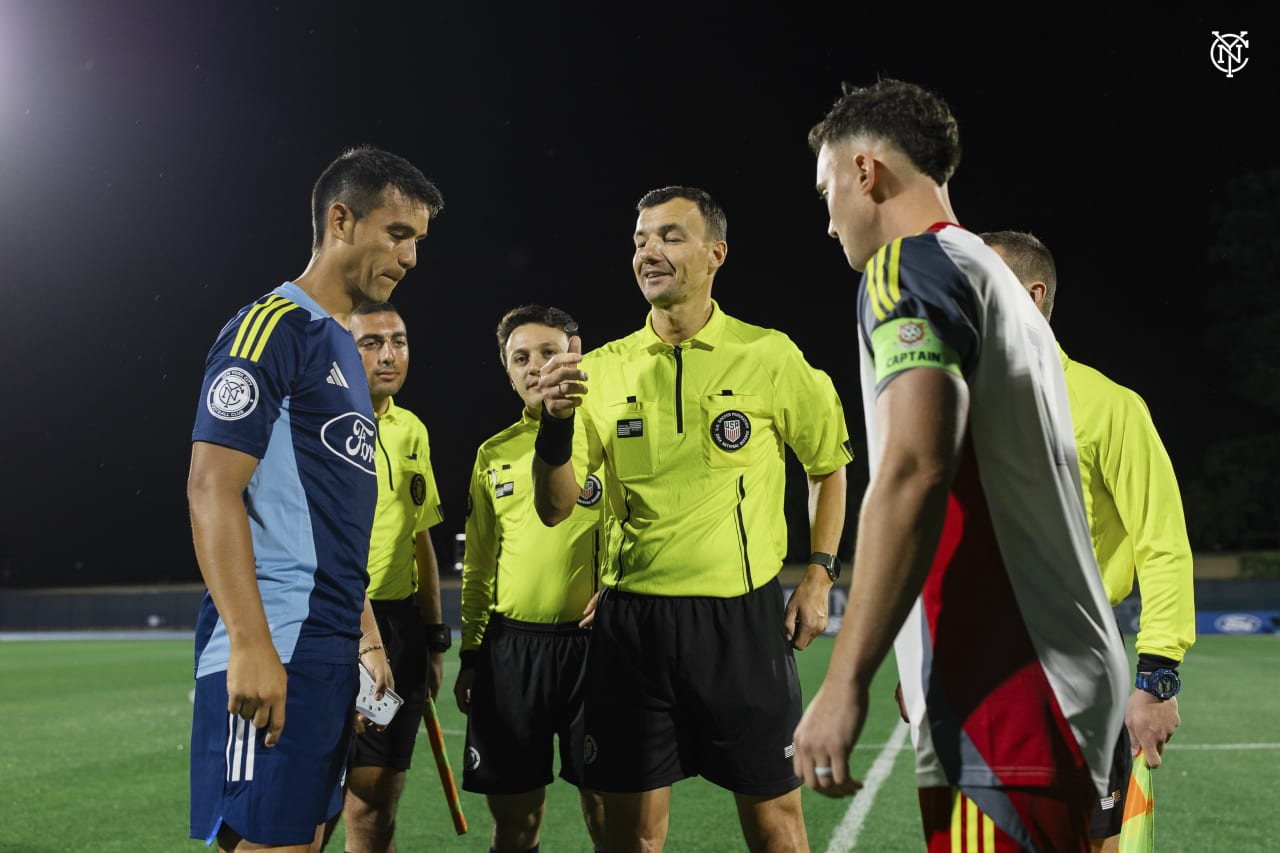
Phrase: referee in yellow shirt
(691, 669)
(1136, 520)
(404, 581)
(525, 588)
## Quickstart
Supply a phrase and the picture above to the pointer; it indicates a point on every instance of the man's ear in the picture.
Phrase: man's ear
(864, 167)
(339, 222)
(719, 251)
(1037, 290)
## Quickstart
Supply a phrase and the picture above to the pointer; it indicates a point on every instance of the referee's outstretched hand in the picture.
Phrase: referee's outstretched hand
(561, 382)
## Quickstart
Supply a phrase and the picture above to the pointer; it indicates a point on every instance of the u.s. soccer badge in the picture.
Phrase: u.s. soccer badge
(731, 430)
(591, 491)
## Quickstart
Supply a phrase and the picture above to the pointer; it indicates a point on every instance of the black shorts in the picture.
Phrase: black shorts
(527, 693)
(1109, 813)
(687, 686)
(404, 637)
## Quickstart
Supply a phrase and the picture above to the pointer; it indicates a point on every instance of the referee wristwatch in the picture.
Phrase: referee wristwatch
(828, 561)
(1163, 683)
(439, 638)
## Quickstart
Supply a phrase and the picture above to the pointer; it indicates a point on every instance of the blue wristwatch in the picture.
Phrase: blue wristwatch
(1164, 683)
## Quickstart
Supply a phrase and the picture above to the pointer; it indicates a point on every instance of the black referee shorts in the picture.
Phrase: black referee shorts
(527, 695)
(686, 686)
(404, 637)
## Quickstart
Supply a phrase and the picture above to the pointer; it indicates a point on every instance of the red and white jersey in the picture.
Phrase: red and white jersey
(1011, 662)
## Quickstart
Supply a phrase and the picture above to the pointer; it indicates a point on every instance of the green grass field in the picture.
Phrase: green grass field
(95, 759)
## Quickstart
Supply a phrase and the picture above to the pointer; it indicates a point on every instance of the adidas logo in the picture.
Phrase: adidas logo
(335, 377)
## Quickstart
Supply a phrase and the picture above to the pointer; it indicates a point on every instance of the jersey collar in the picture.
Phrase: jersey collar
(390, 413)
(708, 337)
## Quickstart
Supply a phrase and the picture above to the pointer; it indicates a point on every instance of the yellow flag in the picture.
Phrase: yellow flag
(1138, 829)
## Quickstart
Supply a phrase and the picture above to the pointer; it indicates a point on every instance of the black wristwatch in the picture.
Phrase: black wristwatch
(1163, 684)
(829, 562)
(439, 638)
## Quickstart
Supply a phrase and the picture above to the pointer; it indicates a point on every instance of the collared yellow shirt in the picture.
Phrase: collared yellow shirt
(408, 502)
(514, 564)
(692, 439)
(1134, 507)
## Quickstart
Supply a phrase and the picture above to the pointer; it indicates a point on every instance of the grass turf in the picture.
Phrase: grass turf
(96, 759)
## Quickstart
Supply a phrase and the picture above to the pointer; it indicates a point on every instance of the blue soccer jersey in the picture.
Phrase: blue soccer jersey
(284, 383)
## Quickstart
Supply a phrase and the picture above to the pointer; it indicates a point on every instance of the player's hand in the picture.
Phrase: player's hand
(435, 673)
(561, 382)
(806, 613)
(1151, 722)
(256, 688)
(825, 738)
(462, 688)
(589, 612)
(380, 668)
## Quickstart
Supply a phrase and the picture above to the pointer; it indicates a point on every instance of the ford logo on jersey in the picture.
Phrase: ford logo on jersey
(351, 437)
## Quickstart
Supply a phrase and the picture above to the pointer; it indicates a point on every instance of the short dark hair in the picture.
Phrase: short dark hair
(358, 178)
(912, 119)
(376, 308)
(712, 213)
(517, 317)
(1029, 259)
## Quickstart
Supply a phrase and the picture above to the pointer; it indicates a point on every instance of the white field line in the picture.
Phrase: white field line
(845, 838)
(846, 835)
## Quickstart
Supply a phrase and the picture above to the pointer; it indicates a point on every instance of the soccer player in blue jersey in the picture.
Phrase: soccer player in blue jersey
(282, 493)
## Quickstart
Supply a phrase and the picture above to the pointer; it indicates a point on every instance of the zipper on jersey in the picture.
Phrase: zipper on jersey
(742, 535)
(390, 480)
(595, 561)
(679, 393)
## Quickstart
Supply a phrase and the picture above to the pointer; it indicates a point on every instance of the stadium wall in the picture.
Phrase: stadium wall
(1234, 594)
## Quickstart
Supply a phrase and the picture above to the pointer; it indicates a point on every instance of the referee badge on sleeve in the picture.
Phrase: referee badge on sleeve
(591, 491)
(418, 489)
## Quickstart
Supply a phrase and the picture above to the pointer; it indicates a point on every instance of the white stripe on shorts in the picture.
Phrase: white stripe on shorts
(240, 743)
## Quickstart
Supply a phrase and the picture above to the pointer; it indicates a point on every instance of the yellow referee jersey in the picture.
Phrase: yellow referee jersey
(514, 564)
(408, 502)
(691, 437)
(1135, 510)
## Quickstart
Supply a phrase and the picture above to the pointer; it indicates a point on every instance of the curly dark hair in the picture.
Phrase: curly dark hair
(517, 317)
(912, 119)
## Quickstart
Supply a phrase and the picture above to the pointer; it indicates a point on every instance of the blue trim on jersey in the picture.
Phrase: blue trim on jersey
(295, 396)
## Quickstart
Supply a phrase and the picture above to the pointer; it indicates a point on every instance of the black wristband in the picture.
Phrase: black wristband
(1150, 663)
(439, 638)
(468, 657)
(554, 444)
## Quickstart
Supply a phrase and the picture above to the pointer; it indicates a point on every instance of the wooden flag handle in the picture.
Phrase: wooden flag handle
(436, 737)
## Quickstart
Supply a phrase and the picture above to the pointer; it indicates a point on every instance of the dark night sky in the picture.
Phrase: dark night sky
(156, 161)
